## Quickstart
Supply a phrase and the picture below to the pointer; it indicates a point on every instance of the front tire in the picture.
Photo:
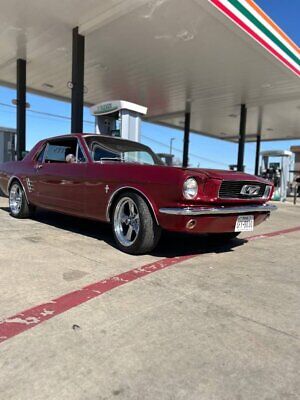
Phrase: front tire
(134, 228)
(19, 208)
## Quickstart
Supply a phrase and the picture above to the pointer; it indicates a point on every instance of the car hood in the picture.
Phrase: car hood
(225, 175)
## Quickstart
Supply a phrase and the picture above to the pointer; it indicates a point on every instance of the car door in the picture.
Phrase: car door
(101, 179)
(60, 180)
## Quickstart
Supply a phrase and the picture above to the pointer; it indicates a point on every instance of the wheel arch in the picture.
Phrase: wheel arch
(117, 193)
(16, 179)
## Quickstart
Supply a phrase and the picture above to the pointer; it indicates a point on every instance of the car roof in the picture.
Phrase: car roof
(78, 135)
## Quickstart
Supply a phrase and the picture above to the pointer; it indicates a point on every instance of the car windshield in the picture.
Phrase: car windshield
(104, 149)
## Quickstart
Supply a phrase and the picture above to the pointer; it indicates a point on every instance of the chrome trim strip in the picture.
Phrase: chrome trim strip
(218, 210)
(45, 152)
(130, 188)
(79, 144)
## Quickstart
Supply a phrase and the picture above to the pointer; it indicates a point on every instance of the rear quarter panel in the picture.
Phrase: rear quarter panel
(7, 170)
(18, 169)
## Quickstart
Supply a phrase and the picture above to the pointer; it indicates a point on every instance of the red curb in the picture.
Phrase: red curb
(12, 326)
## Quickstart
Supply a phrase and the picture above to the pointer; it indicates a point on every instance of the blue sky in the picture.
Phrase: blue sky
(204, 152)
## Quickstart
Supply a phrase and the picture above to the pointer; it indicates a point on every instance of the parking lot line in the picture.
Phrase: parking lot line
(274, 233)
(12, 326)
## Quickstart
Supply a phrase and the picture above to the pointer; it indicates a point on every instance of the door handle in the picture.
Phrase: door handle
(39, 166)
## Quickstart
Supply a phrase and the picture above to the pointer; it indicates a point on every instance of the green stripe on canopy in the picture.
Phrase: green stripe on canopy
(265, 30)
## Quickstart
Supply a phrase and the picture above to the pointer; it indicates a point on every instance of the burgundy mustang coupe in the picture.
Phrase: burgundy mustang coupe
(126, 184)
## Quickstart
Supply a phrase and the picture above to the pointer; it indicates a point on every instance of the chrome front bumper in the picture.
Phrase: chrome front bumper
(221, 210)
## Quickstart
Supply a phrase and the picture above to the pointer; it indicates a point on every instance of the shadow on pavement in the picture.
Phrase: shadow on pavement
(170, 245)
(86, 227)
(179, 244)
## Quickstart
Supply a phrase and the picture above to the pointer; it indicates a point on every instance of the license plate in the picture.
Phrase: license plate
(244, 223)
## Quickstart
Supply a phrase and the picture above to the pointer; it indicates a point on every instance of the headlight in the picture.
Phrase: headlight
(190, 188)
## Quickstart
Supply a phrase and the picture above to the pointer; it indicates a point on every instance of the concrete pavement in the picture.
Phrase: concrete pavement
(221, 325)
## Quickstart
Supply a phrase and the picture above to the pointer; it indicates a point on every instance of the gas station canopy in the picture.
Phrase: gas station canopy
(211, 54)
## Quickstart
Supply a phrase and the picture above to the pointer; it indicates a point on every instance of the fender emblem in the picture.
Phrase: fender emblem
(29, 185)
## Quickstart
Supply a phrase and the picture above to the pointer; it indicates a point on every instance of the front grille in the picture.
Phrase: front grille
(232, 190)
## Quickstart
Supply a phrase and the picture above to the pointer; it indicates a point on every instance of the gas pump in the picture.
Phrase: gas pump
(119, 118)
(277, 171)
(296, 172)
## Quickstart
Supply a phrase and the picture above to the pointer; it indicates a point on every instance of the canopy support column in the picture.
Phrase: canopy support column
(77, 82)
(242, 138)
(186, 140)
(21, 107)
(258, 140)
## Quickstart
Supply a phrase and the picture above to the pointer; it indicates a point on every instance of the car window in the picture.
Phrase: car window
(100, 153)
(64, 151)
(80, 156)
(103, 149)
(141, 157)
(57, 153)
(40, 157)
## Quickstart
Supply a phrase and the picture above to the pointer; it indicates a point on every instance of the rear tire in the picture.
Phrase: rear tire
(134, 228)
(19, 207)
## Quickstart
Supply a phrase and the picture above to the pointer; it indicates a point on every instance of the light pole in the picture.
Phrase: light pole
(171, 144)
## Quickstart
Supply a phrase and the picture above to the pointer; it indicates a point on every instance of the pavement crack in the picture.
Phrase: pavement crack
(243, 317)
(266, 326)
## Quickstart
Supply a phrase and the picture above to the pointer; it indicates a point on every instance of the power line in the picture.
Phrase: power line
(64, 117)
(180, 151)
(46, 118)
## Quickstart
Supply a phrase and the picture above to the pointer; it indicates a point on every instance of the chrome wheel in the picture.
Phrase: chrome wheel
(126, 221)
(15, 199)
